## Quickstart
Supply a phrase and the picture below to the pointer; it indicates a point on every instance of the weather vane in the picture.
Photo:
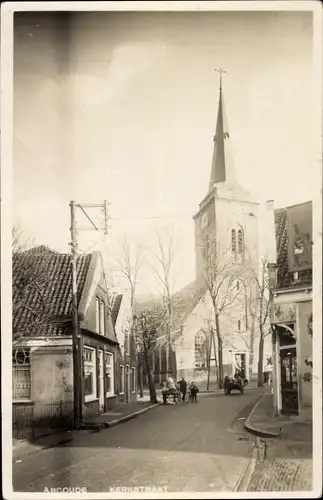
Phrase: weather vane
(221, 71)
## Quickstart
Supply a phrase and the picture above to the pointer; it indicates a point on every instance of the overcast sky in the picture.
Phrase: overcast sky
(122, 106)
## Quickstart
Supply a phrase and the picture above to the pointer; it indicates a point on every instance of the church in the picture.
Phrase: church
(224, 290)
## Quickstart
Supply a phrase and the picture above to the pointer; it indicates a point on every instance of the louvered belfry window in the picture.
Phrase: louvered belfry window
(240, 241)
(233, 241)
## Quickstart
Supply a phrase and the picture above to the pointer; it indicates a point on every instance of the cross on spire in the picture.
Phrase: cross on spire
(220, 71)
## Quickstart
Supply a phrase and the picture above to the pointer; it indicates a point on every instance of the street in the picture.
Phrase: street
(189, 447)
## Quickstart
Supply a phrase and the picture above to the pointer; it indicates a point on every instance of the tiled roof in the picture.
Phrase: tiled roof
(42, 293)
(285, 279)
(116, 303)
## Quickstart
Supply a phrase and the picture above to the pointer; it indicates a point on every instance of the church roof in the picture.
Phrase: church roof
(185, 301)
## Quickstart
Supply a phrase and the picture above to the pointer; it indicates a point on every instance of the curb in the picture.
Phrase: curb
(255, 430)
(246, 473)
(129, 417)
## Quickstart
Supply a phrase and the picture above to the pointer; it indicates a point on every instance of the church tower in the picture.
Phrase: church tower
(227, 212)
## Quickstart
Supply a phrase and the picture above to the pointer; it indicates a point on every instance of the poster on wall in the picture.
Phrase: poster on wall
(299, 230)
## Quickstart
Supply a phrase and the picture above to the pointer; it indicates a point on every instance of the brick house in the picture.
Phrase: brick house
(291, 288)
(42, 370)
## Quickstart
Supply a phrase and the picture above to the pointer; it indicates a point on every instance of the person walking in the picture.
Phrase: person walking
(183, 388)
(194, 390)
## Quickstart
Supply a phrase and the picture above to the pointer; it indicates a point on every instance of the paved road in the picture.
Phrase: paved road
(189, 447)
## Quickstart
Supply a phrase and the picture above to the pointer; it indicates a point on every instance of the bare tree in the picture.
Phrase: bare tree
(30, 277)
(220, 273)
(248, 334)
(128, 265)
(146, 322)
(165, 254)
(259, 310)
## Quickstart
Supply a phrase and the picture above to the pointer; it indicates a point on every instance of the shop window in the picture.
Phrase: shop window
(89, 373)
(109, 374)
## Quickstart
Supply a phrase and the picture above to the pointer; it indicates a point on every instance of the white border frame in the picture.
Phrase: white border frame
(7, 10)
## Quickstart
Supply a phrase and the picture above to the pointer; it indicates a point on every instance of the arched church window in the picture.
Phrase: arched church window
(200, 348)
(240, 241)
(233, 241)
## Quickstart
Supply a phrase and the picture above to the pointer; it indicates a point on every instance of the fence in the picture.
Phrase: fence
(30, 421)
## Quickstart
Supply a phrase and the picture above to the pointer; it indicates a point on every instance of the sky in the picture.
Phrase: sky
(122, 106)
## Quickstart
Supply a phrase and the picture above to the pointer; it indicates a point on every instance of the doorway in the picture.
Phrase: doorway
(288, 370)
(240, 364)
(127, 388)
(101, 381)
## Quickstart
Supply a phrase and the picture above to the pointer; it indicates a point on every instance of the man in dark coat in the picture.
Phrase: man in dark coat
(183, 388)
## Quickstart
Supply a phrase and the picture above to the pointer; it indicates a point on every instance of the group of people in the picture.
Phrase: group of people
(179, 390)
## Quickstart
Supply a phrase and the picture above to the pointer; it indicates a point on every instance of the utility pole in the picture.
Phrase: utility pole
(77, 367)
(78, 373)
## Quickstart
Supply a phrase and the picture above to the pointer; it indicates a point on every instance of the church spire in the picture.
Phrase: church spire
(222, 166)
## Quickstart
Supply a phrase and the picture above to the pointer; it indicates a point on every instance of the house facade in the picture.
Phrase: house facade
(42, 370)
(292, 309)
(121, 312)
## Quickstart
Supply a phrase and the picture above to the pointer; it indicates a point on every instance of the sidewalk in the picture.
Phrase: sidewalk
(117, 415)
(284, 462)
(262, 422)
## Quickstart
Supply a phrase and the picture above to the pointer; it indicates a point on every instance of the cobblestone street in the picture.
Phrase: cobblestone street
(188, 447)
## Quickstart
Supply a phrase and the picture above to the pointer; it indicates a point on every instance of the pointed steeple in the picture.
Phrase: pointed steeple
(222, 164)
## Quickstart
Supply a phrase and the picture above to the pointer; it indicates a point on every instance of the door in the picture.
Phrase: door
(288, 378)
(127, 388)
(101, 381)
(240, 362)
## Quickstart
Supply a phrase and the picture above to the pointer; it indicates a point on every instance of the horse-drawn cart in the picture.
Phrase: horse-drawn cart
(233, 384)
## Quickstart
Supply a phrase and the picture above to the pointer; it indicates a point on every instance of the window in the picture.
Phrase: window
(97, 315)
(240, 241)
(205, 220)
(200, 350)
(126, 342)
(109, 374)
(133, 379)
(238, 285)
(239, 325)
(21, 386)
(89, 373)
(233, 241)
(121, 379)
(102, 317)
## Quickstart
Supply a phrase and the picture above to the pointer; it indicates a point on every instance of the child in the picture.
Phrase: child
(193, 392)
